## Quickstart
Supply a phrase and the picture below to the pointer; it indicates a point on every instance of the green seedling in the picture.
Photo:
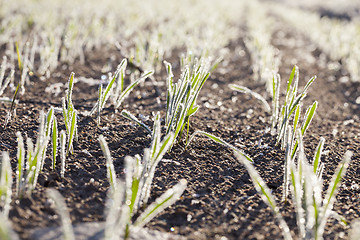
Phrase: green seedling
(181, 96)
(116, 89)
(60, 206)
(62, 152)
(50, 129)
(292, 101)
(26, 180)
(265, 193)
(54, 141)
(5, 184)
(23, 66)
(291, 142)
(312, 209)
(70, 115)
(135, 192)
(129, 116)
(275, 102)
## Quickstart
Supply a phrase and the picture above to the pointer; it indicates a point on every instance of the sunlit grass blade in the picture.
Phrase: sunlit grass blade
(162, 202)
(317, 156)
(265, 194)
(131, 117)
(275, 102)
(18, 56)
(126, 92)
(54, 142)
(111, 175)
(70, 147)
(62, 152)
(219, 140)
(21, 162)
(332, 190)
(309, 115)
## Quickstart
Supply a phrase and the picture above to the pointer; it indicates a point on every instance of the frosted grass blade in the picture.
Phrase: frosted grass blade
(21, 163)
(54, 142)
(164, 201)
(111, 175)
(317, 156)
(252, 93)
(332, 190)
(265, 194)
(62, 152)
(131, 117)
(70, 147)
(126, 92)
(219, 140)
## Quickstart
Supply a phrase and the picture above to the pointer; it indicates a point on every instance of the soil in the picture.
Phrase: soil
(220, 200)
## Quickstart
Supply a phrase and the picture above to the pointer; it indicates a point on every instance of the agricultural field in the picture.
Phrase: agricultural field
(162, 119)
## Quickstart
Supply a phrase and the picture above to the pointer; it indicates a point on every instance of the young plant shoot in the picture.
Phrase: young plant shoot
(26, 180)
(70, 116)
(115, 88)
(181, 96)
(138, 179)
(312, 209)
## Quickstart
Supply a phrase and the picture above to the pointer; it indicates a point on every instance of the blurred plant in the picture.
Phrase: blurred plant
(60, 206)
(5, 184)
(9, 78)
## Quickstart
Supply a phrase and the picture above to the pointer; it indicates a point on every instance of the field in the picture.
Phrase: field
(218, 43)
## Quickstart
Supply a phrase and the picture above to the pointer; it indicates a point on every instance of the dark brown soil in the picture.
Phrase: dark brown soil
(220, 199)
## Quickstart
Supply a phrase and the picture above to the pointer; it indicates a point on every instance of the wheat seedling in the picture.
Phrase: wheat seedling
(70, 115)
(116, 88)
(50, 128)
(181, 96)
(291, 143)
(138, 179)
(62, 152)
(312, 209)
(34, 159)
(292, 101)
